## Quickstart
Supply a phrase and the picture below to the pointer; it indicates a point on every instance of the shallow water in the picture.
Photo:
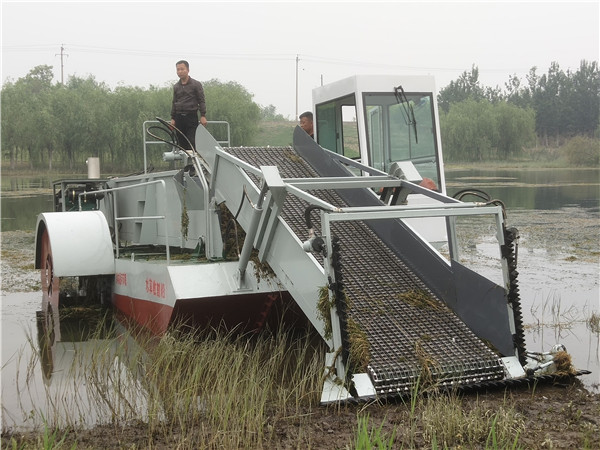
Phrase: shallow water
(63, 372)
(50, 383)
(559, 281)
(559, 278)
(531, 189)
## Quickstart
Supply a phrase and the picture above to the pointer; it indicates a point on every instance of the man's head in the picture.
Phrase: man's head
(183, 69)
(306, 122)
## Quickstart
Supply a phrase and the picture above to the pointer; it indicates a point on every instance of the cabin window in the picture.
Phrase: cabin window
(326, 132)
(400, 130)
(337, 129)
(350, 132)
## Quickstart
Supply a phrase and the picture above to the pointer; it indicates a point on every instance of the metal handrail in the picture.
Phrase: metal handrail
(228, 141)
(146, 142)
(124, 218)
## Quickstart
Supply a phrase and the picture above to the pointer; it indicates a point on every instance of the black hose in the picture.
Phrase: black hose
(173, 127)
(165, 130)
(307, 212)
(233, 221)
(475, 192)
(487, 198)
(173, 141)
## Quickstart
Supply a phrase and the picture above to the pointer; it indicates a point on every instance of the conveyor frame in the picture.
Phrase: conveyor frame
(266, 191)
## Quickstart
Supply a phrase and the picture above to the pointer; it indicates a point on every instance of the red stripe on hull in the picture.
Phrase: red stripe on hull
(152, 315)
(248, 312)
(242, 312)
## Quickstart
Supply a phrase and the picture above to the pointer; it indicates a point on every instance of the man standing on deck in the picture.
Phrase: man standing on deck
(188, 99)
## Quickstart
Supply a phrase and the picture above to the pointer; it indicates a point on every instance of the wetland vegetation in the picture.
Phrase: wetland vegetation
(262, 391)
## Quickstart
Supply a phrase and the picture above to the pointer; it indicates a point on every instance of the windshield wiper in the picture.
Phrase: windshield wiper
(408, 109)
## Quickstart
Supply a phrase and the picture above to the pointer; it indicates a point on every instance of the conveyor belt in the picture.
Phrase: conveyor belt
(407, 341)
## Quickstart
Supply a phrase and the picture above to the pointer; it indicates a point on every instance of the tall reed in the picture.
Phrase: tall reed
(449, 424)
(209, 389)
(231, 385)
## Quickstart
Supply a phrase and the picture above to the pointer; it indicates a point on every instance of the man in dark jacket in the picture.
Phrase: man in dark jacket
(306, 123)
(188, 99)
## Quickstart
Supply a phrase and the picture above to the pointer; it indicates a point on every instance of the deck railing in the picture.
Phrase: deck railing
(118, 219)
(147, 141)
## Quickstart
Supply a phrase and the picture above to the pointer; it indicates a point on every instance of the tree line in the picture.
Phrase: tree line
(479, 122)
(55, 126)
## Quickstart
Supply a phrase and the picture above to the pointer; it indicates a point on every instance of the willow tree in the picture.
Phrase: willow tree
(63, 125)
(26, 119)
(482, 130)
(231, 102)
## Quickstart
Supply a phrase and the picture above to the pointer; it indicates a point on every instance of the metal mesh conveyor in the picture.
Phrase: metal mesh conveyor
(407, 341)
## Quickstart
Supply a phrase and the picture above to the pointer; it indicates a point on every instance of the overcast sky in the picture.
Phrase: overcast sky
(257, 43)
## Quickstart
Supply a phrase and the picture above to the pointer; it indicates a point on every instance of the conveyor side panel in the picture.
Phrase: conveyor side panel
(479, 302)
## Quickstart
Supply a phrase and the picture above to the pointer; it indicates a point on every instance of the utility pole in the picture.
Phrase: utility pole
(297, 59)
(62, 64)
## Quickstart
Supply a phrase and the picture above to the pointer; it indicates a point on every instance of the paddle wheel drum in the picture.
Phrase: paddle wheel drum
(72, 245)
(50, 283)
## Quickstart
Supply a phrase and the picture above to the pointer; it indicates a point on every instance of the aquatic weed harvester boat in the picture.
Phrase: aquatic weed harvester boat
(354, 229)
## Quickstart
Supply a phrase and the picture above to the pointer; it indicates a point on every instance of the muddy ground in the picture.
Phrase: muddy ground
(552, 415)
(547, 416)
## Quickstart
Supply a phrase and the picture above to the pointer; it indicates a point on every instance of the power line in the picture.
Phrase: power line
(32, 47)
(75, 48)
(137, 52)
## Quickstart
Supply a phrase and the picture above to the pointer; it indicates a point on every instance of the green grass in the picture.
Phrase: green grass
(445, 421)
(372, 437)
